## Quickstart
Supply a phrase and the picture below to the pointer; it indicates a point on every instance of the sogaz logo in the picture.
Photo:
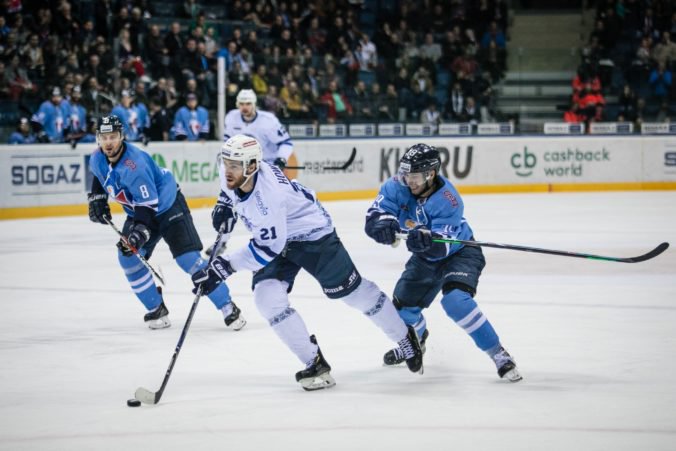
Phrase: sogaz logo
(523, 163)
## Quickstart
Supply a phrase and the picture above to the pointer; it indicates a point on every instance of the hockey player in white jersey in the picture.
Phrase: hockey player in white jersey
(292, 231)
(262, 125)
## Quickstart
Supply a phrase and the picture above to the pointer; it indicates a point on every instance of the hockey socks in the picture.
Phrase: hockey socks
(463, 309)
(141, 281)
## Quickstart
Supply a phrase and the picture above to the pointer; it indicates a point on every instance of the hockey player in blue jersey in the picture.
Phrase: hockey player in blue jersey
(134, 117)
(156, 209)
(292, 231)
(424, 203)
(191, 121)
(51, 119)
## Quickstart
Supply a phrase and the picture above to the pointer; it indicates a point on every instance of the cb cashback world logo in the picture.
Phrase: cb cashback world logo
(557, 163)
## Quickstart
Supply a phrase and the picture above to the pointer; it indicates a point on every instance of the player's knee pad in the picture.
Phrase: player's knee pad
(271, 298)
(458, 304)
(191, 262)
(367, 297)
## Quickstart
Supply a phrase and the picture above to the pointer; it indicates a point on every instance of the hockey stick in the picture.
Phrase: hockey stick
(135, 251)
(641, 258)
(332, 168)
(149, 397)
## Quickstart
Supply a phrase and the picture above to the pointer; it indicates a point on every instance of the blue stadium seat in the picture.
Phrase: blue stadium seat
(443, 79)
(367, 77)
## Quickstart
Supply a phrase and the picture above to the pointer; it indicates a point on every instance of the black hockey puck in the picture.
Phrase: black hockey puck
(133, 402)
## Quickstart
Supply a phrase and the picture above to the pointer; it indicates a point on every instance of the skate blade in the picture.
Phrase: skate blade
(317, 383)
(161, 323)
(513, 375)
(238, 324)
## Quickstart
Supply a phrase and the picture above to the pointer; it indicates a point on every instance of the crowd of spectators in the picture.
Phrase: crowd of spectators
(427, 61)
(631, 53)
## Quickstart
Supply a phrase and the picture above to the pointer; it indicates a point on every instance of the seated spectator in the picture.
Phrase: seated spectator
(23, 133)
(665, 50)
(272, 102)
(455, 103)
(191, 121)
(296, 106)
(387, 105)
(361, 101)
(431, 116)
(17, 79)
(337, 103)
(470, 113)
(660, 82)
(573, 115)
(259, 81)
(494, 34)
(627, 104)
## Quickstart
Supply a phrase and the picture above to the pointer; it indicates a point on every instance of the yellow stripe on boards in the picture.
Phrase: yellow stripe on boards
(208, 202)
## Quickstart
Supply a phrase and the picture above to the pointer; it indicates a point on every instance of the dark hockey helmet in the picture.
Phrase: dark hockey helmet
(419, 159)
(109, 124)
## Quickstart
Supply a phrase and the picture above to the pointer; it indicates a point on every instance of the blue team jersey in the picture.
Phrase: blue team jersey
(77, 118)
(135, 180)
(191, 123)
(19, 138)
(442, 212)
(53, 119)
(135, 120)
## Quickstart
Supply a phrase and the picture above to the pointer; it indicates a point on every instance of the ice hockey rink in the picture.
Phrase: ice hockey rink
(595, 342)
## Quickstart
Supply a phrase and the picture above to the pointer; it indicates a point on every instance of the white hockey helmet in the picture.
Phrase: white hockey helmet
(247, 96)
(242, 148)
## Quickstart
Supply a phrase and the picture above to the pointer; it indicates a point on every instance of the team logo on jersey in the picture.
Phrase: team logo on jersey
(130, 164)
(119, 197)
(260, 205)
(451, 198)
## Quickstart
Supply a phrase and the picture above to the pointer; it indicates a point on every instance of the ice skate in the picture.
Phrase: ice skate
(316, 375)
(234, 320)
(396, 356)
(506, 366)
(158, 318)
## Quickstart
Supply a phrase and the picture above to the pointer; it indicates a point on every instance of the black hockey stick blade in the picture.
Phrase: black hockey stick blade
(342, 167)
(641, 258)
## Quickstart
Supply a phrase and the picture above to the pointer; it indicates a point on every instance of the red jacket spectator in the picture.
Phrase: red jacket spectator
(337, 103)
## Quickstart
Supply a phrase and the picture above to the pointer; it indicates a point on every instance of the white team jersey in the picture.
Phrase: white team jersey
(277, 210)
(266, 128)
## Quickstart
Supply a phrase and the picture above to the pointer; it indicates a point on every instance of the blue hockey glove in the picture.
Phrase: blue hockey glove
(209, 278)
(382, 228)
(420, 240)
(280, 163)
(138, 235)
(223, 214)
(99, 209)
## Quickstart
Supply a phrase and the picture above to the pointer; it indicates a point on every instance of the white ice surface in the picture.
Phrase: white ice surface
(595, 341)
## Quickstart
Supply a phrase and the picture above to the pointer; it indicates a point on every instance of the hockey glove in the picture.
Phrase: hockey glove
(138, 235)
(382, 228)
(99, 210)
(208, 278)
(280, 163)
(421, 241)
(223, 215)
